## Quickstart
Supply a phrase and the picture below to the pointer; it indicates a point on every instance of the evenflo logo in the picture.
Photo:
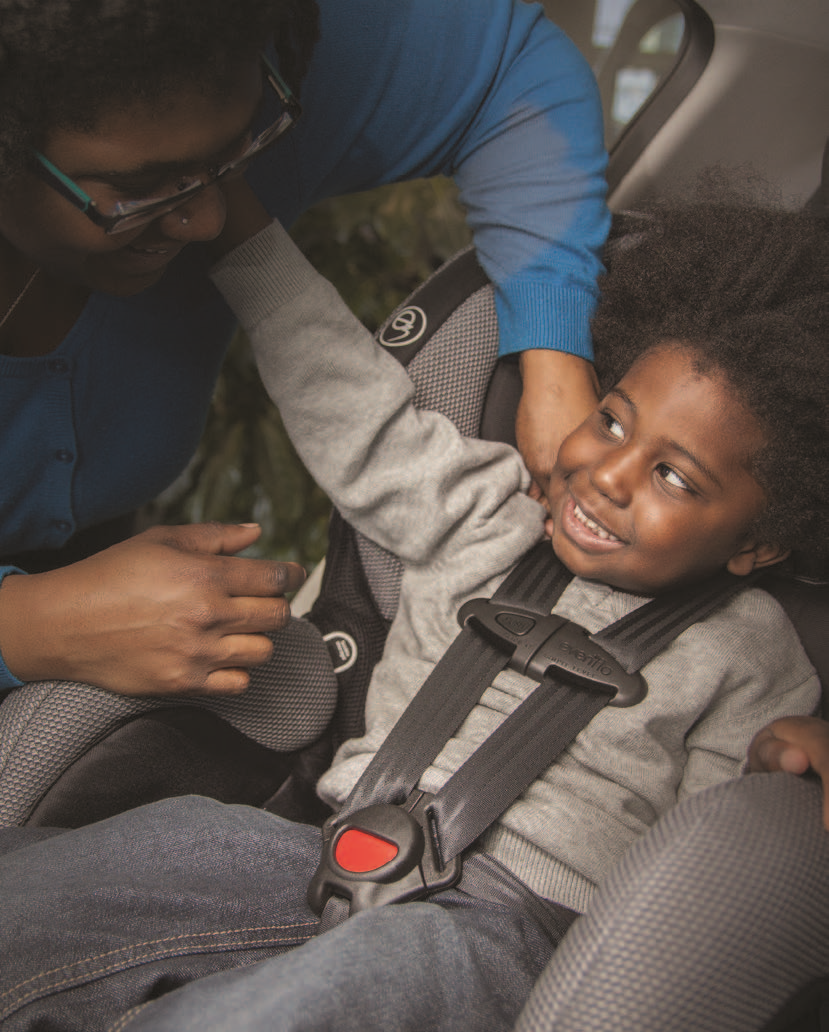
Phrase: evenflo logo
(407, 326)
(592, 661)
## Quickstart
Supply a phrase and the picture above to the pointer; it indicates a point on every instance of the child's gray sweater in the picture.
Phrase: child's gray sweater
(456, 512)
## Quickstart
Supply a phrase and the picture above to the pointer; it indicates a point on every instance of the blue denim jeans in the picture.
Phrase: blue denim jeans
(189, 914)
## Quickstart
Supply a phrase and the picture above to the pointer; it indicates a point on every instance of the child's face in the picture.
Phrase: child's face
(655, 488)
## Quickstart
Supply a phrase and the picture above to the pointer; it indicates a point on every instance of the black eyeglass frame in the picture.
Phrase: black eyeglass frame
(131, 214)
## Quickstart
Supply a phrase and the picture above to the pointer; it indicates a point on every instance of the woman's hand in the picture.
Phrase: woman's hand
(559, 393)
(795, 745)
(166, 612)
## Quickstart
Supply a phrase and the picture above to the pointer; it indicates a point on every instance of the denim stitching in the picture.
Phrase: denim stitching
(127, 1017)
(128, 952)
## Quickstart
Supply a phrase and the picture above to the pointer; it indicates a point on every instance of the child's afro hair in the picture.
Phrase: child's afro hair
(746, 287)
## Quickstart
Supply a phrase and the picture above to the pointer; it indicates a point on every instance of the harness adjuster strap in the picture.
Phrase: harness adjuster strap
(544, 645)
(381, 854)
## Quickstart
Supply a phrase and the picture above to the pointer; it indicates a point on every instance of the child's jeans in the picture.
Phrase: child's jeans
(96, 923)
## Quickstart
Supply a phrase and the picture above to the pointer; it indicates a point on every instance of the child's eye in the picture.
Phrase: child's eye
(611, 425)
(670, 476)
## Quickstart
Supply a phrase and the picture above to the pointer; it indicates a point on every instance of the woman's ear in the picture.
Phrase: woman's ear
(755, 557)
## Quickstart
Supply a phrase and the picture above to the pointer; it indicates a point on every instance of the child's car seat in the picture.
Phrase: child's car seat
(71, 754)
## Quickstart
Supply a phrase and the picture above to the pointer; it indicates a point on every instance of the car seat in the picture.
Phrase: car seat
(71, 754)
(59, 739)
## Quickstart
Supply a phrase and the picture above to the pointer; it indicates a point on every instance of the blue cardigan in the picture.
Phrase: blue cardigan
(487, 91)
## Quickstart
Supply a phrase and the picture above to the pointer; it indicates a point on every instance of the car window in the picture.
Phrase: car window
(632, 46)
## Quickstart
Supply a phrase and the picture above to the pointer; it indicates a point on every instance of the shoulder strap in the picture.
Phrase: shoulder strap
(640, 636)
(452, 689)
(575, 682)
(536, 733)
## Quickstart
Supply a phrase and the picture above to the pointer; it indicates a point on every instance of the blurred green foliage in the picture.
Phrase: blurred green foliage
(376, 248)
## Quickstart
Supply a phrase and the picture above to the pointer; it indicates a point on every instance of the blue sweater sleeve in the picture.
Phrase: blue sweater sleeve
(487, 91)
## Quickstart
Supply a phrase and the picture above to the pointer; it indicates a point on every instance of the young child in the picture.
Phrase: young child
(707, 452)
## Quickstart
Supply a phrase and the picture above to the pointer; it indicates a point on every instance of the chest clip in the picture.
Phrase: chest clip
(542, 645)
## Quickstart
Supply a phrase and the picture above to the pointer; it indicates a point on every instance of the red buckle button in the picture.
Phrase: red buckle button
(358, 851)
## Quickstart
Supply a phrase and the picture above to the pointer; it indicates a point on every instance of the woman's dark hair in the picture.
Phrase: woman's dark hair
(746, 288)
(63, 62)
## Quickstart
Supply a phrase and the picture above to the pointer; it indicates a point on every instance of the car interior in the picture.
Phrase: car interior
(684, 85)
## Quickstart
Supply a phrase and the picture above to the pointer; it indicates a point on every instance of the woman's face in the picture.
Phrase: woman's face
(139, 151)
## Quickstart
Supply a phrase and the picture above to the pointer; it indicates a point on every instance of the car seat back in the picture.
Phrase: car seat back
(72, 753)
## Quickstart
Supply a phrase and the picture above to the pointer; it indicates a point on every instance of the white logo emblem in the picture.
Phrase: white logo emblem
(407, 326)
(343, 650)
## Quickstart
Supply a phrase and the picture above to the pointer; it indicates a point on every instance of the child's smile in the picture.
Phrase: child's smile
(578, 524)
(656, 486)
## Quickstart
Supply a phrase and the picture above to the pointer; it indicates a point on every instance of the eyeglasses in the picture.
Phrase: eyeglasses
(125, 215)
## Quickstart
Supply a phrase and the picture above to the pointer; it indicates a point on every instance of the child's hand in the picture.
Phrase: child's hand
(795, 745)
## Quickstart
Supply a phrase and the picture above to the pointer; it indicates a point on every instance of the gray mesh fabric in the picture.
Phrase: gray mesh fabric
(291, 698)
(711, 922)
(45, 727)
(450, 376)
(383, 571)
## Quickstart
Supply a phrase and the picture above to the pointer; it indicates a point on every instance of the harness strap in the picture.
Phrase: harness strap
(640, 636)
(503, 766)
(454, 686)
(533, 736)
(426, 834)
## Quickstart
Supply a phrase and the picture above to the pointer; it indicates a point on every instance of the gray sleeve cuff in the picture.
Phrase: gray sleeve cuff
(261, 275)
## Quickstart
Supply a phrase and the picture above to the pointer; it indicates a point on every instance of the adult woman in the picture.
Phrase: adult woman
(122, 125)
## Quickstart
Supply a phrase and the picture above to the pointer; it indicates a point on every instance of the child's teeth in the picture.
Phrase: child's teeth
(600, 532)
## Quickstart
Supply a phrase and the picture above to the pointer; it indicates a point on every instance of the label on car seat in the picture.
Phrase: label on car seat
(343, 650)
(405, 328)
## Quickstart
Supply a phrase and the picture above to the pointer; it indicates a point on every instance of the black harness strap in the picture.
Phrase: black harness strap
(640, 636)
(415, 839)
(453, 688)
(525, 744)
(545, 723)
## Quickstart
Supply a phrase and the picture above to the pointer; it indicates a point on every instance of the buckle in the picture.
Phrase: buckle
(381, 854)
(538, 644)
